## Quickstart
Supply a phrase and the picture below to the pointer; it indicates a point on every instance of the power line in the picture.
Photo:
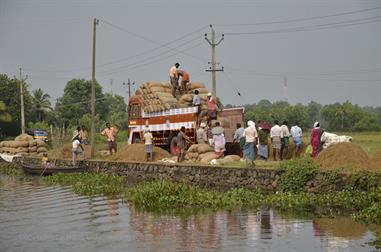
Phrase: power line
(313, 27)
(301, 19)
(129, 57)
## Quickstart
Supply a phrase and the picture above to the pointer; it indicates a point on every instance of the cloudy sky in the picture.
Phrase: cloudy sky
(327, 50)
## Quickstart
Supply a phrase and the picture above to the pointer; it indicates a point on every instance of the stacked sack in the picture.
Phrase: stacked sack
(204, 153)
(23, 145)
(157, 97)
(186, 100)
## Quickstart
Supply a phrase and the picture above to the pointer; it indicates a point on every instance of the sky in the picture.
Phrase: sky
(297, 50)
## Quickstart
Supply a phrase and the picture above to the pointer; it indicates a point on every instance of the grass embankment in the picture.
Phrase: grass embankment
(10, 170)
(164, 196)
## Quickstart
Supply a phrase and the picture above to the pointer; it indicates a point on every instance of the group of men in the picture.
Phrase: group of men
(253, 140)
(174, 76)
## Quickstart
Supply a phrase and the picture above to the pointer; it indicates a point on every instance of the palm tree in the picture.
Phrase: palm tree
(41, 103)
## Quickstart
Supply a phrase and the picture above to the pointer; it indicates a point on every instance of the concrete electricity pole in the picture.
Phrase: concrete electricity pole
(129, 88)
(22, 100)
(285, 89)
(92, 140)
(213, 69)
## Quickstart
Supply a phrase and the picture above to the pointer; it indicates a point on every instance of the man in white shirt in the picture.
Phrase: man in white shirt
(249, 150)
(148, 143)
(174, 78)
(296, 134)
(284, 140)
(77, 148)
(275, 135)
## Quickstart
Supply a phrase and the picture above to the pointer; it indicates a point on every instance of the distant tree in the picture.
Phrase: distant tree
(5, 117)
(264, 103)
(40, 103)
(368, 123)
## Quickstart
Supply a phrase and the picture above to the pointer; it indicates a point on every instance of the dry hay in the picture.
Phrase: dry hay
(344, 155)
(66, 151)
(376, 160)
(135, 152)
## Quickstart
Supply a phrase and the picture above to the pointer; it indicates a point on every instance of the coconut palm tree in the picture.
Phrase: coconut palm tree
(41, 103)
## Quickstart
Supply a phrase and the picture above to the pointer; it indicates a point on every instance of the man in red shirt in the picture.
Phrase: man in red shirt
(184, 80)
(212, 108)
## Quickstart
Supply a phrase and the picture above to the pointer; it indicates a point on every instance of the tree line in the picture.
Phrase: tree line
(333, 117)
(73, 109)
(70, 110)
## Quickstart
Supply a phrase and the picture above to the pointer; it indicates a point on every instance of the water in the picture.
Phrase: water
(36, 217)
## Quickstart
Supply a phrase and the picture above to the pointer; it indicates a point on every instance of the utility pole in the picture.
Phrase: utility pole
(95, 23)
(129, 87)
(285, 89)
(22, 100)
(213, 69)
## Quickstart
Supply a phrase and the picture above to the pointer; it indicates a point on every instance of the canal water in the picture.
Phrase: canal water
(37, 217)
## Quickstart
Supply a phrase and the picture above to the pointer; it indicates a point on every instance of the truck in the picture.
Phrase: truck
(166, 124)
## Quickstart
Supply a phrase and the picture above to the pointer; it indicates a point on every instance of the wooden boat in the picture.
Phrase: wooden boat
(47, 170)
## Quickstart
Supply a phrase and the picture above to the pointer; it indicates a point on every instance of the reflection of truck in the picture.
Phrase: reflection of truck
(166, 124)
(38, 134)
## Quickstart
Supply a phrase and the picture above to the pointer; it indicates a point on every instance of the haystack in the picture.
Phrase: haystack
(344, 155)
(135, 152)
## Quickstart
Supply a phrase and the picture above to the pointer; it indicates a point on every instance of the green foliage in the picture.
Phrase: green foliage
(39, 125)
(40, 104)
(89, 183)
(10, 170)
(161, 195)
(296, 173)
(369, 122)
(10, 96)
(370, 215)
(5, 117)
(376, 242)
(363, 181)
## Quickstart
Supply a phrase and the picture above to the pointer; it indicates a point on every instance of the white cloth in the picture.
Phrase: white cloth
(329, 139)
(276, 131)
(250, 133)
(296, 131)
(285, 132)
(148, 138)
(76, 143)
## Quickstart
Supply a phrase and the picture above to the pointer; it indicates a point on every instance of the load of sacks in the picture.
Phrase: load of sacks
(205, 154)
(23, 145)
(157, 97)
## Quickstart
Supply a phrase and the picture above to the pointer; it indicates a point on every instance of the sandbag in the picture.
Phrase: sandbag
(24, 137)
(22, 149)
(201, 156)
(203, 91)
(41, 149)
(196, 85)
(21, 144)
(193, 148)
(163, 94)
(32, 149)
(13, 144)
(1, 144)
(186, 98)
(192, 155)
(233, 157)
(207, 158)
(157, 89)
(202, 148)
(32, 143)
(40, 143)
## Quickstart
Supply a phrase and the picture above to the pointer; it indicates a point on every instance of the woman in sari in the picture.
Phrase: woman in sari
(315, 139)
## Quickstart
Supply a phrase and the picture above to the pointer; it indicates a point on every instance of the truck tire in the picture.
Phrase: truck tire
(136, 139)
(173, 146)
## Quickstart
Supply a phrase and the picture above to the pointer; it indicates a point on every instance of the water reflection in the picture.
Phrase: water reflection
(36, 217)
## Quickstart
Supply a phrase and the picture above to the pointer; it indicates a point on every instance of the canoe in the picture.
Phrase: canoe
(42, 170)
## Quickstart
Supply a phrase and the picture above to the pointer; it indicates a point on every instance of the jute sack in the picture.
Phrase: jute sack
(40, 143)
(41, 149)
(202, 148)
(206, 159)
(1, 149)
(6, 144)
(12, 150)
(164, 94)
(24, 137)
(32, 143)
(1, 144)
(186, 98)
(196, 85)
(22, 149)
(184, 105)
(233, 157)
(193, 148)
(157, 89)
(20, 144)
(32, 149)
(201, 156)
(203, 91)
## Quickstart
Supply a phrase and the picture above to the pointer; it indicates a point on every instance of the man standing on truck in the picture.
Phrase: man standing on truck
(184, 80)
(110, 133)
(174, 78)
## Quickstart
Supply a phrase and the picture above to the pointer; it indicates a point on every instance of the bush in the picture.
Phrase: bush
(296, 173)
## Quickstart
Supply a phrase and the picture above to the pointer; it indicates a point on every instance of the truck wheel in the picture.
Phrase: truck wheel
(173, 146)
(136, 139)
